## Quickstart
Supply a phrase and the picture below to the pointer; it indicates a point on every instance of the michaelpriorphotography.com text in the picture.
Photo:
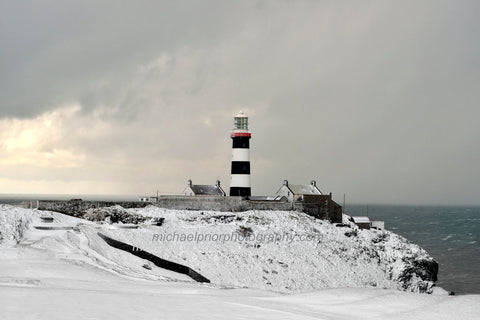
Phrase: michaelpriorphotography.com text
(235, 237)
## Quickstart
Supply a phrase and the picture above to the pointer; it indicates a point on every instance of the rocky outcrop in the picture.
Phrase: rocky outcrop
(113, 215)
(78, 207)
(13, 224)
(419, 275)
(408, 264)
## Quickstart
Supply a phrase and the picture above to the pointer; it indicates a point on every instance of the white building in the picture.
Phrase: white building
(295, 192)
(147, 199)
(362, 222)
(378, 224)
(203, 190)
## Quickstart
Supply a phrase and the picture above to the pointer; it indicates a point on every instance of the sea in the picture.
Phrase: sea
(450, 234)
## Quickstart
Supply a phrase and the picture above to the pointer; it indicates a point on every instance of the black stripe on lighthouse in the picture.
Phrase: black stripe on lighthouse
(240, 167)
(240, 191)
(241, 142)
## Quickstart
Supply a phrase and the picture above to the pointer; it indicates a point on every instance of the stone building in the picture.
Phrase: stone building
(203, 190)
(296, 192)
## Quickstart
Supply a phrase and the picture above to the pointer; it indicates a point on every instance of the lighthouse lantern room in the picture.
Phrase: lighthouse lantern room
(240, 181)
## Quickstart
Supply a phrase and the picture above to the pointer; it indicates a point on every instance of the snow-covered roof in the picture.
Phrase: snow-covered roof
(267, 198)
(207, 190)
(361, 219)
(303, 189)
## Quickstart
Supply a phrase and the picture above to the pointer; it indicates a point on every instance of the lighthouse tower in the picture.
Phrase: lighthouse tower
(240, 182)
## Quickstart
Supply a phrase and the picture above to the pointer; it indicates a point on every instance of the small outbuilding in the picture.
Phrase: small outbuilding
(362, 222)
(147, 199)
(203, 189)
(378, 224)
(295, 192)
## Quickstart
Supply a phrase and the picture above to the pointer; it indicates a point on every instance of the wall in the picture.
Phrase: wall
(321, 207)
(378, 224)
(159, 262)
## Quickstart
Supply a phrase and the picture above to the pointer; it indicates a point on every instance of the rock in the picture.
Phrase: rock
(419, 275)
(351, 233)
(114, 215)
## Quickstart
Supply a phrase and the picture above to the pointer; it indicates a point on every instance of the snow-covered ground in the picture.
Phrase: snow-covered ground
(67, 274)
(281, 251)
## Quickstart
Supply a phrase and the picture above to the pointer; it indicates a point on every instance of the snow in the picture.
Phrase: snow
(361, 219)
(329, 260)
(58, 274)
(13, 225)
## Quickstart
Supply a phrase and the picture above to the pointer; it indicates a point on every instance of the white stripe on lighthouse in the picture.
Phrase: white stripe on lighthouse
(240, 180)
(241, 154)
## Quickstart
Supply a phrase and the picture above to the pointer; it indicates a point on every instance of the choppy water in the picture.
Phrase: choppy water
(450, 234)
(19, 198)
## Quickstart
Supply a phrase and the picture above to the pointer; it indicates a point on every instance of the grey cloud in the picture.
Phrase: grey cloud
(53, 52)
(376, 100)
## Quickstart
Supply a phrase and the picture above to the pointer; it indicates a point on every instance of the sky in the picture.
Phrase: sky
(377, 100)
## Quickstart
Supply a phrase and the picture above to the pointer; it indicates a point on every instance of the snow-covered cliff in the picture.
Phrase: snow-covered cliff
(274, 250)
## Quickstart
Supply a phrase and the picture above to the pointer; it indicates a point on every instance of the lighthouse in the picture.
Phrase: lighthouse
(240, 181)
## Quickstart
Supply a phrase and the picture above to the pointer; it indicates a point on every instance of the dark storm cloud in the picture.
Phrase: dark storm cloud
(378, 100)
(52, 52)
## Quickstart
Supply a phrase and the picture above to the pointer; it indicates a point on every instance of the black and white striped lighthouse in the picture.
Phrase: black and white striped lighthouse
(240, 181)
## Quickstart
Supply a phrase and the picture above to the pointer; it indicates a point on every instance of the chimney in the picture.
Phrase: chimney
(217, 183)
(313, 183)
(189, 183)
(285, 183)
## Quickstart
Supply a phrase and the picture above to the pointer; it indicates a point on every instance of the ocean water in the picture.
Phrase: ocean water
(451, 235)
(19, 198)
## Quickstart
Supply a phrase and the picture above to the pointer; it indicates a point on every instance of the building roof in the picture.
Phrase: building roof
(207, 190)
(361, 219)
(303, 189)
